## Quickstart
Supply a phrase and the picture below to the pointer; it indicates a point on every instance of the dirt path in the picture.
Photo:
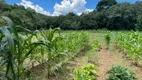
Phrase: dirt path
(108, 58)
(104, 63)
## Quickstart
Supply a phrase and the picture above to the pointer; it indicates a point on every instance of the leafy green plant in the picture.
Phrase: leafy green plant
(87, 72)
(108, 38)
(120, 73)
(15, 49)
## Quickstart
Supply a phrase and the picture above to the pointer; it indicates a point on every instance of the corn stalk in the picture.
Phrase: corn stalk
(15, 48)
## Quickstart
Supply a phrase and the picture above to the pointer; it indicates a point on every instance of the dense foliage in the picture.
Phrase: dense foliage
(120, 73)
(131, 44)
(109, 14)
(87, 72)
(105, 4)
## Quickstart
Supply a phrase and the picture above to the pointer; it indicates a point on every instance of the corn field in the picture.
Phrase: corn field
(20, 48)
(131, 44)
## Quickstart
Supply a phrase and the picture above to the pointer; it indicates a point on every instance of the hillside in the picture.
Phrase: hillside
(118, 16)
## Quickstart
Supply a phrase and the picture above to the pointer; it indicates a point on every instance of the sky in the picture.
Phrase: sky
(60, 7)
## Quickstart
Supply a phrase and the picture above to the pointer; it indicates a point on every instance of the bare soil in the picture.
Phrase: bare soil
(105, 62)
(109, 58)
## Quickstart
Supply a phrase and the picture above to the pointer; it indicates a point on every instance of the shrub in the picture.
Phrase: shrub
(120, 73)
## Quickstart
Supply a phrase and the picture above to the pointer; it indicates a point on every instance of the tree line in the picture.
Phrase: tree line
(108, 14)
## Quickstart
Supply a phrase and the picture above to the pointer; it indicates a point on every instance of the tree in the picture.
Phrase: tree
(4, 7)
(105, 4)
(139, 23)
(121, 16)
(138, 7)
(89, 21)
(3, 1)
(109, 15)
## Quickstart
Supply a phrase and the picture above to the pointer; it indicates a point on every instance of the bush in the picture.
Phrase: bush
(87, 72)
(120, 73)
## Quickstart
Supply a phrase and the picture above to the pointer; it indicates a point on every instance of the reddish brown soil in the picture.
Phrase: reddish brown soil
(104, 63)
(108, 59)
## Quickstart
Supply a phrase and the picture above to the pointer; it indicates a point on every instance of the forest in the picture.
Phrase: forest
(108, 14)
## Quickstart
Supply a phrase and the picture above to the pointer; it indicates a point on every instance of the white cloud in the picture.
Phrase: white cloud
(66, 6)
(37, 8)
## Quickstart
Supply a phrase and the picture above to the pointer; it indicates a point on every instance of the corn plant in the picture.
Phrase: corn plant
(96, 45)
(15, 48)
(50, 40)
(60, 48)
(107, 39)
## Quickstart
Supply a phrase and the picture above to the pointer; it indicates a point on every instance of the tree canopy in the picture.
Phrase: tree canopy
(109, 14)
(105, 4)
